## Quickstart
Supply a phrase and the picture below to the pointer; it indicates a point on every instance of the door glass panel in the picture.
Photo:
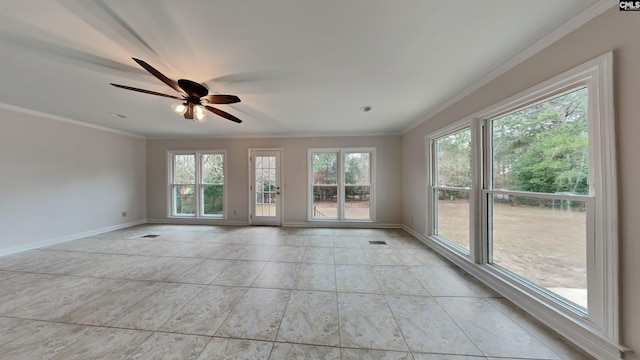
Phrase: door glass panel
(265, 186)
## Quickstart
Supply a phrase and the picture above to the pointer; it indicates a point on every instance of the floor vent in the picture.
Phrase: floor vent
(377, 242)
(150, 236)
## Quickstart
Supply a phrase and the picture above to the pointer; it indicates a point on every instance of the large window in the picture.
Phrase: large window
(523, 195)
(341, 184)
(539, 194)
(197, 183)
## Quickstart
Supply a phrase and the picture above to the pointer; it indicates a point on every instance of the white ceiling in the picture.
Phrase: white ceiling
(301, 67)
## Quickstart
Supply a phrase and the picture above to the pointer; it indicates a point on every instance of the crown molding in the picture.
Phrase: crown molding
(39, 114)
(571, 25)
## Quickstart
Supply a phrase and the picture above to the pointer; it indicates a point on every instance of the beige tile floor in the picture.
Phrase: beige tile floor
(205, 292)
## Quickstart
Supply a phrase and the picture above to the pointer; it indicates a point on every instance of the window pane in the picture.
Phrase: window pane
(543, 241)
(454, 160)
(184, 169)
(357, 168)
(184, 199)
(212, 199)
(325, 202)
(543, 148)
(325, 168)
(356, 203)
(213, 169)
(266, 186)
(453, 216)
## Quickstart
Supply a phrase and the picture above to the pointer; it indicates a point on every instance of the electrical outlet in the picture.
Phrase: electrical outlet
(124, 214)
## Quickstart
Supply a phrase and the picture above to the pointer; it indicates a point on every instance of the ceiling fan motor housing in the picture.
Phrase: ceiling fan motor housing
(194, 90)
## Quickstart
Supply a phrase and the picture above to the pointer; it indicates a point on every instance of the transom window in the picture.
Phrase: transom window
(340, 184)
(197, 183)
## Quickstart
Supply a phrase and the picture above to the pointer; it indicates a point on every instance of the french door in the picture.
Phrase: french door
(265, 187)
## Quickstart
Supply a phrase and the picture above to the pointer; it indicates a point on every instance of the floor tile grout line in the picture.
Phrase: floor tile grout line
(125, 357)
(335, 281)
(523, 328)
(458, 325)
(284, 312)
(404, 338)
(237, 302)
(204, 287)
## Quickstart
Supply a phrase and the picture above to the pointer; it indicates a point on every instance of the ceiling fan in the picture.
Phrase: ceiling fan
(195, 97)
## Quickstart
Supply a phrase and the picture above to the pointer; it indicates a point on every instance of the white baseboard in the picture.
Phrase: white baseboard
(337, 224)
(61, 239)
(192, 221)
(580, 333)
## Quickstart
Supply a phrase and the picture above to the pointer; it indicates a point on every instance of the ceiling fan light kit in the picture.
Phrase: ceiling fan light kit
(193, 95)
(190, 111)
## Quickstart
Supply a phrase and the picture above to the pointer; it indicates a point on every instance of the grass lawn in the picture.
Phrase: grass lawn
(544, 245)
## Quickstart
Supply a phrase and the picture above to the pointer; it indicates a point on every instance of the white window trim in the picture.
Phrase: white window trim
(340, 184)
(198, 185)
(431, 155)
(598, 333)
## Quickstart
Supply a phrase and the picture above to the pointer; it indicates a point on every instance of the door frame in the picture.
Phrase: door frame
(280, 182)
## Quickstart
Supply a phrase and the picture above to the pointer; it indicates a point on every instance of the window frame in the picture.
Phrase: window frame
(199, 184)
(432, 207)
(340, 183)
(598, 330)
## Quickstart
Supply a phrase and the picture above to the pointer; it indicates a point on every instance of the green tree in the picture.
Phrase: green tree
(543, 147)
(325, 168)
(185, 169)
(454, 159)
(555, 163)
(325, 171)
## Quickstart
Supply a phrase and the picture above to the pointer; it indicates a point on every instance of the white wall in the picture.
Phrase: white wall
(613, 30)
(59, 180)
(294, 162)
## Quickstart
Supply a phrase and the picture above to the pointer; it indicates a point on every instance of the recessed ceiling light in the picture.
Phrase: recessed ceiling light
(117, 115)
(366, 108)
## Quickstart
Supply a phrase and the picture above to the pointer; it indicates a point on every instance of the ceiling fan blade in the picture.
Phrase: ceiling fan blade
(220, 99)
(225, 115)
(145, 91)
(159, 75)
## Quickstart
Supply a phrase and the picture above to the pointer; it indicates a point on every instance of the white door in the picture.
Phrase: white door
(265, 187)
